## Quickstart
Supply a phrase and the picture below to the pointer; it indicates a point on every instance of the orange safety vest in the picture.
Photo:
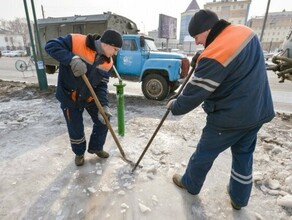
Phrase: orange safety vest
(80, 49)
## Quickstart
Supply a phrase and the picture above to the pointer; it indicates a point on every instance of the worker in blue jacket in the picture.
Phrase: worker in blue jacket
(91, 55)
(230, 80)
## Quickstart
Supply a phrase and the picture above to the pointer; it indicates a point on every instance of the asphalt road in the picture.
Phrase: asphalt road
(281, 92)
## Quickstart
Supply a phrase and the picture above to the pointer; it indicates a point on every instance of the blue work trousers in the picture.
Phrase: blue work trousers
(211, 144)
(74, 120)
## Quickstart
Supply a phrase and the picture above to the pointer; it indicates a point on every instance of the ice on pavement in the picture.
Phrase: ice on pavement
(39, 179)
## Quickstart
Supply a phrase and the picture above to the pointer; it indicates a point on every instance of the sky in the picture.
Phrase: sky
(144, 13)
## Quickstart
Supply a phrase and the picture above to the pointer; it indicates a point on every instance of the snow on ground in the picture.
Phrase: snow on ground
(39, 179)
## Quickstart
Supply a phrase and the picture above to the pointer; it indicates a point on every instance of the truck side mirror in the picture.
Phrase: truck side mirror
(142, 41)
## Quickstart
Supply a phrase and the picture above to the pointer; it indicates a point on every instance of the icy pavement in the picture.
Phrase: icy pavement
(39, 179)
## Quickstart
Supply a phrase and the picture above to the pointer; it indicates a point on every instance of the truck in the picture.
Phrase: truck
(54, 27)
(160, 73)
(282, 61)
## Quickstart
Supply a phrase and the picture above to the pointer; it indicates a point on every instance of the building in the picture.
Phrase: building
(185, 42)
(10, 41)
(234, 11)
(276, 29)
(161, 43)
(185, 20)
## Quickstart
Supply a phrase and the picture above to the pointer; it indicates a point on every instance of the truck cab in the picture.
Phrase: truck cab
(160, 72)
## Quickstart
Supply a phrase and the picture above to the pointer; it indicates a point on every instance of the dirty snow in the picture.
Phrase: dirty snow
(39, 179)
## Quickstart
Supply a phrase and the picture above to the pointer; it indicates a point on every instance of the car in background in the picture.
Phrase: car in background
(13, 53)
(6, 53)
(267, 55)
(19, 53)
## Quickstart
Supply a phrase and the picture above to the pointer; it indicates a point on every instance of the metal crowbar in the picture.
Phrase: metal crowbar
(100, 109)
(163, 118)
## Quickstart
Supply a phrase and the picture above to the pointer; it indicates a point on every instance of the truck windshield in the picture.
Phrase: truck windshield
(150, 45)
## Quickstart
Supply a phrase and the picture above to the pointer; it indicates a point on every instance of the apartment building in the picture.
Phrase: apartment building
(276, 29)
(233, 11)
(10, 41)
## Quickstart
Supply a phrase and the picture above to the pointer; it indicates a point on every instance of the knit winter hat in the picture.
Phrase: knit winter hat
(202, 21)
(112, 38)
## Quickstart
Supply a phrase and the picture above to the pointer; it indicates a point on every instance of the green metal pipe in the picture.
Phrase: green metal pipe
(121, 107)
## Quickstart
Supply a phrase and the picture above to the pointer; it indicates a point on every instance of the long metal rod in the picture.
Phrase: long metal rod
(117, 73)
(100, 109)
(163, 118)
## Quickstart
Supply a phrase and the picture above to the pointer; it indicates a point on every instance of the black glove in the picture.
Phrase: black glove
(78, 67)
(108, 113)
(195, 58)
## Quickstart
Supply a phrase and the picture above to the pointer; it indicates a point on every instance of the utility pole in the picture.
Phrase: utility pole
(43, 13)
(39, 64)
(265, 20)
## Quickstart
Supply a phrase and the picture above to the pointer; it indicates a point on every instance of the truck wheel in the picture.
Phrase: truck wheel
(155, 87)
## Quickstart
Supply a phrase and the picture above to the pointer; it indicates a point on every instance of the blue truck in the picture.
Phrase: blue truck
(160, 72)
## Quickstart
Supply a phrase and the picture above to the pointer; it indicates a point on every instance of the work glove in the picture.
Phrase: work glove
(169, 104)
(195, 58)
(78, 67)
(108, 113)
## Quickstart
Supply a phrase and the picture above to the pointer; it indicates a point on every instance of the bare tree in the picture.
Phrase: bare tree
(18, 26)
